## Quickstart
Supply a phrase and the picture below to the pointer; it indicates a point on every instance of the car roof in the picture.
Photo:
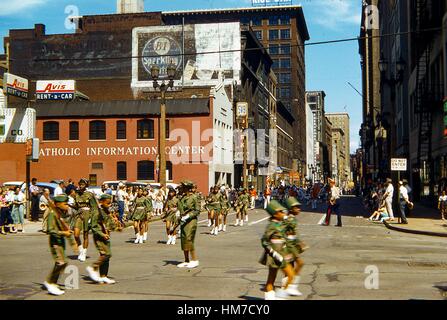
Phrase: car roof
(45, 184)
(13, 183)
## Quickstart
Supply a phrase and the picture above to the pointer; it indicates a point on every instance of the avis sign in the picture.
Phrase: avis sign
(398, 164)
(15, 85)
(55, 90)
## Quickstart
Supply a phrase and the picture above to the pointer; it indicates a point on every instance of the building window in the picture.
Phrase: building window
(258, 34)
(121, 130)
(245, 21)
(97, 166)
(145, 129)
(121, 170)
(285, 63)
(273, 34)
(285, 92)
(256, 21)
(285, 48)
(74, 130)
(93, 180)
(145, 170)
(285, 20)
(275, 64)
(97, 130)
(273, 49)
(285, 34)
(51, 130)
(273, 20)
(284, 77)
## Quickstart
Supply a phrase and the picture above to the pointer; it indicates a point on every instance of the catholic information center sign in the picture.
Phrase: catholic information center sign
(398, 164)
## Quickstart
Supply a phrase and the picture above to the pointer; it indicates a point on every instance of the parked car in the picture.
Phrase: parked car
(95, 190)
(156, 185)
(10, 184)
(50, 186)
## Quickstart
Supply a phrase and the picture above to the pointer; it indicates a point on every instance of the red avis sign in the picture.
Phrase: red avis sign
(55, 90)
(15, 85)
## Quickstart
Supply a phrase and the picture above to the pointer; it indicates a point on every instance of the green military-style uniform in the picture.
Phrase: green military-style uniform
(142, 208)
(274, 240)
(55, 226)
(170, 209)
(224, 203)
(101, 224)
(214, 202)
(290, 229)
(189, 207)
(245, 201)
(86, 206)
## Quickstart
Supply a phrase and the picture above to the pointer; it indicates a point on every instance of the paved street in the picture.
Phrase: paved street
(410, 266)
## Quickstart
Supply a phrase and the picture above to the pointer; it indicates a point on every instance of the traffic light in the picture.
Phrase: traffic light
(445, 117)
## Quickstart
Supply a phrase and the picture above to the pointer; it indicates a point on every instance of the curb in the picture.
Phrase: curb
(422, 232)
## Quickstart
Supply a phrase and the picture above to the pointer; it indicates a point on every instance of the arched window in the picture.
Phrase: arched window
(51, 130)
(145, 170)
(97, 130)
(145, 129)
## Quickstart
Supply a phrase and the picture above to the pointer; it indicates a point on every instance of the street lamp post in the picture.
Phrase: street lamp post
(163, 87)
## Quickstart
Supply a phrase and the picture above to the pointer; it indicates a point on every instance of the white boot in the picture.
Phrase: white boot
(241, 223)
(292, 289)
(107, 280)
(81, 250)
(270, 295)
(209, 223)
(137, 240)
(193, 264)
(141, 239)
(53, 289)
(83, 256)
(220, 227)
(281, 293)
(94, 275)
(216, 231)
(237, 223)
(169, 240)
(246, 218)
(212, 231)
(173, 240)
(224, 228)
(145, 236)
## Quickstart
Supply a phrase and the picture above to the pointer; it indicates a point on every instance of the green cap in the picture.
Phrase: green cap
(292, 202)
(84, 181)
(274, 206)
(61, 198)
(187, 183)
(105, 196)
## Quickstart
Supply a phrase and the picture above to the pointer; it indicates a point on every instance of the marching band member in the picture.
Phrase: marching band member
(86, 205)
(169, 216)
(102, 223)
(58, 230)
(189, 207)
(276, 254)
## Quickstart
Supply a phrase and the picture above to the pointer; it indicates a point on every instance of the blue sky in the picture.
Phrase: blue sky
(328, 67)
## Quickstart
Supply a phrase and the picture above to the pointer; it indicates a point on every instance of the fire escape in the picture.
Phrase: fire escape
(426, 98)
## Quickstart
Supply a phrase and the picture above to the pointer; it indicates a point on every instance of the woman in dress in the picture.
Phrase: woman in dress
(18, 209)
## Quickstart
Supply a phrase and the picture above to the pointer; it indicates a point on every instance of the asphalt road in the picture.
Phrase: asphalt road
(408, 266)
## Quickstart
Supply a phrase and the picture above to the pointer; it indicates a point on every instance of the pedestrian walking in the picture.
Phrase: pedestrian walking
(276, 254)
(388, 197)
(60, 189)
(442, 205)
(121, 197)
(333, 203)
(404, 200)
(44, 205)
(253, 195)
(58, 230)
(267, 196)
(4, 211)
(34, 194)
(18, 210)
(102, 224)
(189, 207)
(86, 205)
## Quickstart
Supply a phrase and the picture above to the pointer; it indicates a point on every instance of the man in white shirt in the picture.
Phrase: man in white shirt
(388, 196)
(60, 189)
(403, 200)
(121, 195)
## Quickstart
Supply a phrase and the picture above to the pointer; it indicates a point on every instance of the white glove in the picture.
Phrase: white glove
(184, 218)
(177, 214)
(276, 255)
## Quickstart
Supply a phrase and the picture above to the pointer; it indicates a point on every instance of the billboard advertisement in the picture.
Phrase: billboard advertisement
(55, 90)
(202, 54)
(15, 85)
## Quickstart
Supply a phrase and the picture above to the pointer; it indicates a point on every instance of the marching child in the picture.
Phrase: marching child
(170, 217)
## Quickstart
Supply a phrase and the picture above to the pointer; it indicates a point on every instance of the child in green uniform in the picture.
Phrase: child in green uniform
(140, 209)
(102, 223)
(189, 207)
(58, 230)
(208, 207)
(225, 208)
(214, 204)
(276, 254)
(150, 211)
(170, 215)
(294, 245)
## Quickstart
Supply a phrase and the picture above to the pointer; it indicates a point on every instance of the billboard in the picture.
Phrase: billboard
(264, 3)
(201, 53)
(55, 90)
(15, 85)
(17, 125)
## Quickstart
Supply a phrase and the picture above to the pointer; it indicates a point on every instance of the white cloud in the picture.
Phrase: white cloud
(7, 8)
(333, 14)
(354, 145)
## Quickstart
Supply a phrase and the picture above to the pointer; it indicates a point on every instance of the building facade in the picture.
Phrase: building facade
(310, 149)
(340, 120)
(284, 127)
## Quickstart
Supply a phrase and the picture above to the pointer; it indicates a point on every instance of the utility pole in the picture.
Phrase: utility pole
(162, 140)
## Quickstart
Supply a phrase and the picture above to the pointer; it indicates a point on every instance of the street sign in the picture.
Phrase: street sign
(32, 149)
(398, 164)
(241, 109)
(17, 125)
(15, 85)
(55, 90)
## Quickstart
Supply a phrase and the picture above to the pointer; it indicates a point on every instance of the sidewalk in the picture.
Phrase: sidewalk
(423, 220)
